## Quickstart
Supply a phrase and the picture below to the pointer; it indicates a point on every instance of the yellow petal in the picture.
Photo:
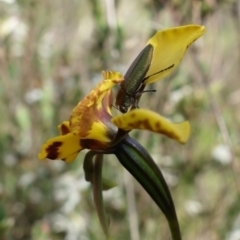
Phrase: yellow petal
(169, 48)
(71, 158)
(64, 147)
(90, 119)
(108, 99)
(101, 132)
(149, 120)
(111, 75)
(107, 102)
(64, 128)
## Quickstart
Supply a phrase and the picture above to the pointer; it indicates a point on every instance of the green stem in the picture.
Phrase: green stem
(175, 230)
(88, 166)
(141, 165)
(97, 193)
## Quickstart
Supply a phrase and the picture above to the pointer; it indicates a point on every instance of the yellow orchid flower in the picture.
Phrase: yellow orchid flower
(92, 126)
(88, 125)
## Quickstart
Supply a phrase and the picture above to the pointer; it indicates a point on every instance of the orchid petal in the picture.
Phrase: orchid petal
(91, 119)
(64, 128)
(108, 99)
(111, 75)
(65, 147)
(149, 120)
(169, 48)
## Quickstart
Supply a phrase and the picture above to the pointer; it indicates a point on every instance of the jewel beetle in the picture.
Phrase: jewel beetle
(132, 85)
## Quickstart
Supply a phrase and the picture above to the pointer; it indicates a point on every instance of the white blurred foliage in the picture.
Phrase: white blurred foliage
(26, 179)
(74, 225)
(234, 235)
(67, 189)
(34, 95)
(45, 47)
(179, 94)
(222, 154)
(235, 231)
(167, 162)
(18, 29)
(193, 207)
(234, 97)
(8, 1)
(10, 160)
(115, 197)
(171, 179)
(36, 196)
(24, 121)
(13, 25)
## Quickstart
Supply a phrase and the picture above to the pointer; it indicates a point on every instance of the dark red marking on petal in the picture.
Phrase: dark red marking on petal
(144, 123)
(158, 126)
(64, 129)
(169, 134)
(93, 144)
(52, 150)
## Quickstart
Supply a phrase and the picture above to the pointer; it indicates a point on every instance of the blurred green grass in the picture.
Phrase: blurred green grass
(52, 54)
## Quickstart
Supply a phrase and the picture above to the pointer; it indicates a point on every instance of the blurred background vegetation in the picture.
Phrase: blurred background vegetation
(52, 54)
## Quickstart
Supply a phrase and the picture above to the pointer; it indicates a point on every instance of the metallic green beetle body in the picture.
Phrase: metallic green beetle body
(132, 85)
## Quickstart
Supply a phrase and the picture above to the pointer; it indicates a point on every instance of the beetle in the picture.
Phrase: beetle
(132, 85)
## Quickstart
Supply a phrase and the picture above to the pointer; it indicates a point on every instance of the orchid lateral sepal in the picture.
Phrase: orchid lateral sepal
(149, 120)
(98, 196)
(93, 172)
(88, 167)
